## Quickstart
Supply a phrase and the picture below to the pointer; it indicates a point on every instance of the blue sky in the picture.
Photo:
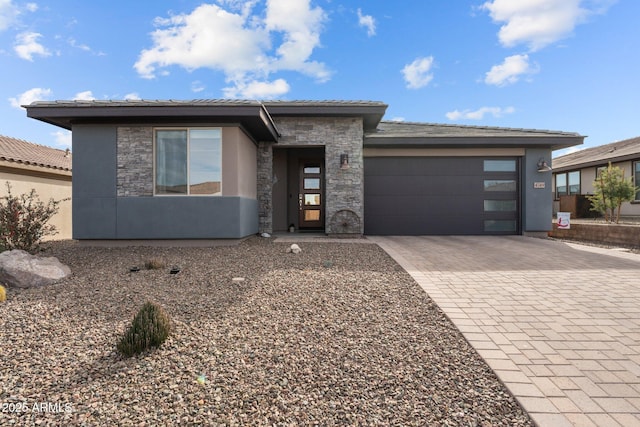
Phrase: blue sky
(570, 65)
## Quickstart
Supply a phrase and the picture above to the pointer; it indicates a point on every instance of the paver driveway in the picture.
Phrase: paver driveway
(559, 323)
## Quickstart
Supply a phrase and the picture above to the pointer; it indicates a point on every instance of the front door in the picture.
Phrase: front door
(311, 194)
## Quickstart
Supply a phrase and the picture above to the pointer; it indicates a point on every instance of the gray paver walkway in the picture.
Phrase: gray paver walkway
(559, 323)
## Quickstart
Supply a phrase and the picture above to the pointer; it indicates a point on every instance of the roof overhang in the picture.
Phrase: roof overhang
(554, 143)
(27, 169)
(250, 115)
(596, 163)
(370, 111)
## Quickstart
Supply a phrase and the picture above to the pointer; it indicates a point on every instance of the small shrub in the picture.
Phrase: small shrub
(150, 328)
(154, 264)
(611, 189)
(3, 294)
(23, 220)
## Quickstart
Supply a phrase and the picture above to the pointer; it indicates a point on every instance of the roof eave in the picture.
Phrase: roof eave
(484, 141)
(253, 117)
(371, 114)
(596, 162)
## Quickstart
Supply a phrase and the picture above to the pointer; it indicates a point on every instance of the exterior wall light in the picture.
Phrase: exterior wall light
(543, 166)
(344, 161)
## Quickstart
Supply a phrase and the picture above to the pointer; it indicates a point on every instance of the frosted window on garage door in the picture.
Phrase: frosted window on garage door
(499, 165)
(500, 185)
(499, 205)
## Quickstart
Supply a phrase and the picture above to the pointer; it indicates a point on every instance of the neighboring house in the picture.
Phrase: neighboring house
(231, 168)
(575, 173)
(28, 166)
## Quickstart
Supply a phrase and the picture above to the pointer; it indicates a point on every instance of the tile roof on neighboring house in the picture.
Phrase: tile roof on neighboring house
(620, 151)
(27, 153)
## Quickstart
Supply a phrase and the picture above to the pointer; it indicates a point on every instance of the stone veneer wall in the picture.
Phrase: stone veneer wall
(612, 234)
(265, 187)
(135, 161)
(344, 190)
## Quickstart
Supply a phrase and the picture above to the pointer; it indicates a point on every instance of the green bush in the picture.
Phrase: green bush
(611, 189)
(150, 328)
(23, 220)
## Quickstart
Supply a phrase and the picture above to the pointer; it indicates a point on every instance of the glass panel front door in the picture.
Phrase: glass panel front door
(310, 196)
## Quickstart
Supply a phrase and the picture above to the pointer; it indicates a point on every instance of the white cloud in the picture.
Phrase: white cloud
(368, 22)
(27, 45)
(133, 96)
(31, 7)
(257, 90)
(300, 27)
(197, 86)
(510, 71)
(479, 114)
(87, 95)
(8, 14)
(73, 43)
(239, 42)
(62, 138)
(398, 119)
(418, 73)
(538, 23)
(32, 95)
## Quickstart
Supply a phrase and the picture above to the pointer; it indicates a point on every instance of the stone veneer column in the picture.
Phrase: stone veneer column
(344, 197)
(345, 187)
(265, 187)
(135, 161)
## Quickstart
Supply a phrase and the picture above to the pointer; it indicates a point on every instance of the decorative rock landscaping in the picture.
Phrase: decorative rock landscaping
(22, 270)
(337, 335)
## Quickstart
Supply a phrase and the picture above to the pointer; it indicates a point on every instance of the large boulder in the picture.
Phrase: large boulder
(21, 270)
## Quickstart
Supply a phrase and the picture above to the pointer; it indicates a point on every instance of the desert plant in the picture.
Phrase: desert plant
(154, 264)
(23, 220)
(611, 190)
(150, 328)
(3, 294)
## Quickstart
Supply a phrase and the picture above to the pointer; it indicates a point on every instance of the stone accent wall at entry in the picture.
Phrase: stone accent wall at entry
(343, 187)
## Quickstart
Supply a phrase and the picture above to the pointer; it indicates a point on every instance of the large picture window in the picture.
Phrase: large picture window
(188, 161)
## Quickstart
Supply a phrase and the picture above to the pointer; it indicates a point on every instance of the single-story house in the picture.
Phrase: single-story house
(231, 168)
(574, 173)
(27, 166)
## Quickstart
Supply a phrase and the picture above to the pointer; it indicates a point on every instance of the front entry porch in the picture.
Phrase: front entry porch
(299, 189)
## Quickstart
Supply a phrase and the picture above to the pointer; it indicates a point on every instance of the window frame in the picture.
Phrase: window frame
(566, 187)
(188, 130)
(567, 184)
(636, 178)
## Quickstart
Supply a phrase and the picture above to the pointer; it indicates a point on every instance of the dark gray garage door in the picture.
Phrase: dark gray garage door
(441, 196)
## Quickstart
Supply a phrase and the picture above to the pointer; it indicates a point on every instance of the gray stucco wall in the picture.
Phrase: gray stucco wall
(113, 186)
(94, 182)
(537, 203)
(186, 217)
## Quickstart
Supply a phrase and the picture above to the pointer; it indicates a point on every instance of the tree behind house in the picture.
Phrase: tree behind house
(611, 190)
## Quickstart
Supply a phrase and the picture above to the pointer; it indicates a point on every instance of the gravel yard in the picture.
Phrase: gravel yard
(336, 335)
